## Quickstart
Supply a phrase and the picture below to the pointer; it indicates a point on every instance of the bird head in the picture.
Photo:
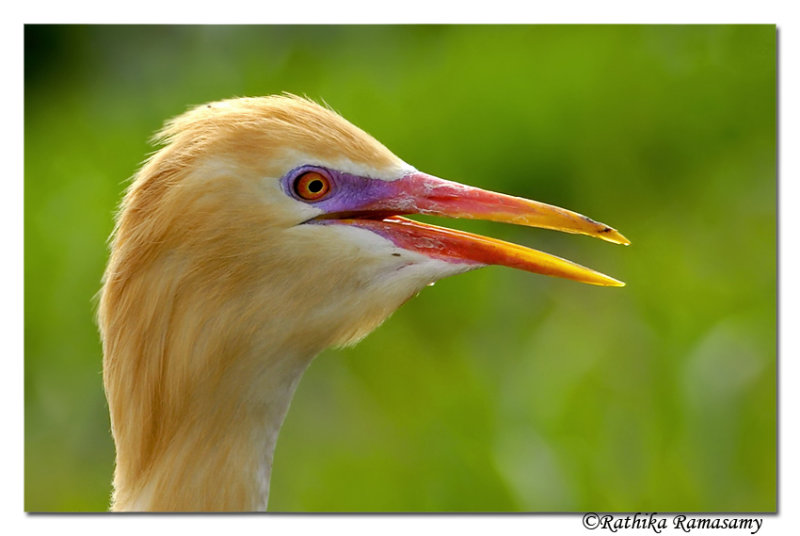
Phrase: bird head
(263, 231)
(280, 193)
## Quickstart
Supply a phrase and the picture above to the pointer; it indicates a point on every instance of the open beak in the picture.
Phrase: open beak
(420, 193)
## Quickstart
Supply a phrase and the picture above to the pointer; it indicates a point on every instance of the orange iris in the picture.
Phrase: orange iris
(312, 185)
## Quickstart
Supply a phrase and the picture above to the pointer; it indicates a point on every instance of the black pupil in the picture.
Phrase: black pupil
(315, 186)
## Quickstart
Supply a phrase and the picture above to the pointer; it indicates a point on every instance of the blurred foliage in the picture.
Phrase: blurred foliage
(496, 390)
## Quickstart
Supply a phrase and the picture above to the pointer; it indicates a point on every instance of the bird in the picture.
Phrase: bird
(262, 231)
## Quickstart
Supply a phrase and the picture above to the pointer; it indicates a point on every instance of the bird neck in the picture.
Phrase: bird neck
(199, 368)
(219, 458)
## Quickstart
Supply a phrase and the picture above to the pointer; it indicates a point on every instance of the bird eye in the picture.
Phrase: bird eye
(312, 185)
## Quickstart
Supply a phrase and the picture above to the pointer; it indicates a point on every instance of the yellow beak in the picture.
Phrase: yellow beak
(419, 193)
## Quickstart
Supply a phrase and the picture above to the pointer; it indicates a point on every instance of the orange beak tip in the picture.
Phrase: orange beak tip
(599, 279)
(612, 235)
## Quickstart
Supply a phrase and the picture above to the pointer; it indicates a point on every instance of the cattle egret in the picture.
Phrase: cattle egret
(262, 232)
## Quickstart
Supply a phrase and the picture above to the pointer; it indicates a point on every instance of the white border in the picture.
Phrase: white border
(409, 11)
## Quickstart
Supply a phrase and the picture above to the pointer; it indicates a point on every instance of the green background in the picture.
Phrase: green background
(495, 390)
